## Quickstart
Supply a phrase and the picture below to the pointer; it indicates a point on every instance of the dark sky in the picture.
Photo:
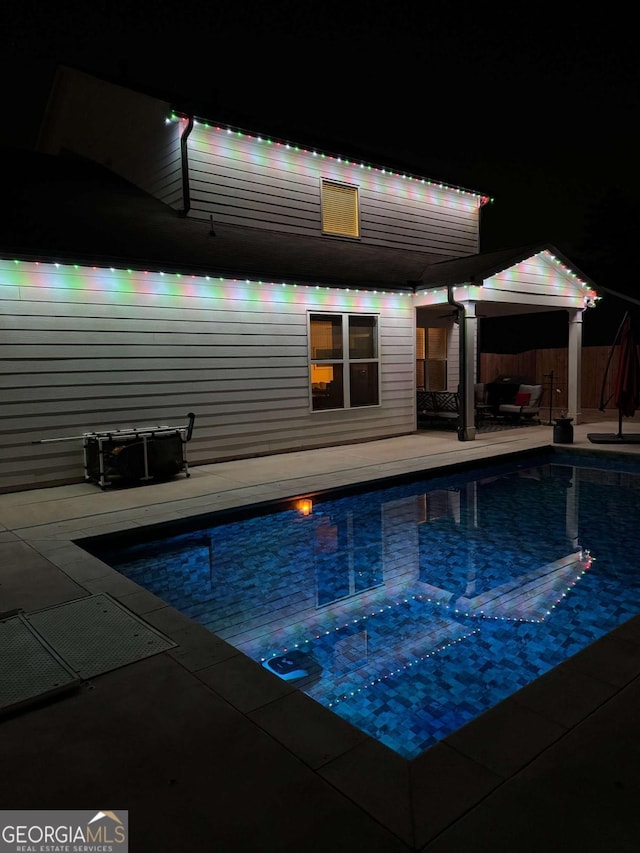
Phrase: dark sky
(538, 108)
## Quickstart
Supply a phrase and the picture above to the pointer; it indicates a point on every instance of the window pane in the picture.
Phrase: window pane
(326, 336)
(362, 337)
(364, 384)
(437, 375)
(326, 387)
(437, 343)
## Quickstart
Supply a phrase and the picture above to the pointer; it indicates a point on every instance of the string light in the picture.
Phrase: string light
(343, 697)
(223, 128)
(209, 278)
(585, 559)
(585, 562)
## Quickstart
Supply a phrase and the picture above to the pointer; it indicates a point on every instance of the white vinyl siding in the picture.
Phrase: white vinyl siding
(240, 179)
(244, 181)
(90, 349)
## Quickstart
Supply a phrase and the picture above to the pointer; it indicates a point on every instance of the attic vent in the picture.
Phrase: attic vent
(340, 209)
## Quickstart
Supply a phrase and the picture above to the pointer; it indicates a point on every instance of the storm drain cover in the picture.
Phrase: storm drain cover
(29, 668)
(96, 634)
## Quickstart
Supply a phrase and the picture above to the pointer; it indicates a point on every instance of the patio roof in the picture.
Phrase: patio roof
(478, 268)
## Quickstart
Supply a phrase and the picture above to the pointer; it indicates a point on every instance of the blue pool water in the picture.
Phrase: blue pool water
(411, 609)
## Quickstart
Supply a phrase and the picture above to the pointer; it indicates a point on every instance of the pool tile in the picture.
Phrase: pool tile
(629, 630)
(377, 779)
(142, 602)
(579, 795)
(444, 785)
(611, 659)
(115, 584)
(244, 683)
(198, 648)
(310, 731)
(565, 695)
(29, 581)
(82, 567)
(7, 535)
(505, 738)
(167, 619)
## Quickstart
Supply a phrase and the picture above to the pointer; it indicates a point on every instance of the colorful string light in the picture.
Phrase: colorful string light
(483, 198)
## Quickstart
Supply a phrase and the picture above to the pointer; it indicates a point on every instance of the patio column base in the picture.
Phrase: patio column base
(466, 433)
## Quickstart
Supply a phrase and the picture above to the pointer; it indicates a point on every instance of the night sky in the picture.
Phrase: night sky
(539, 110)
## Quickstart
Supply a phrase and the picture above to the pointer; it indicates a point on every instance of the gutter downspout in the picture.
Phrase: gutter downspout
(186, 192)
(466, 429)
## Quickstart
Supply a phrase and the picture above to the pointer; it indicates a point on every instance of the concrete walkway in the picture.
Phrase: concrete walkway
(208, 751)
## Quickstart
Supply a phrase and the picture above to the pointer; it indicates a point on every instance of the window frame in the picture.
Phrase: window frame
(330, 182)
(345, 361)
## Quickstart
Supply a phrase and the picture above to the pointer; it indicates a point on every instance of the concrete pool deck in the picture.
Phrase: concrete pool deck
(205, 749)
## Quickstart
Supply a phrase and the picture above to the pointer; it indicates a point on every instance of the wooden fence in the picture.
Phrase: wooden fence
(537, 365)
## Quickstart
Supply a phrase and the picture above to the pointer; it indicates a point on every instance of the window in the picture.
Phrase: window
(343, 361)
(431, 359)
(339, 209)
(421, 355)
(436, 359)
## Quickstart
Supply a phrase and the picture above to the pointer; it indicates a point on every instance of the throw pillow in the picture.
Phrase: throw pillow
(522, 399)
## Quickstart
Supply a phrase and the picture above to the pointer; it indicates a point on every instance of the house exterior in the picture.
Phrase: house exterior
(278, 292)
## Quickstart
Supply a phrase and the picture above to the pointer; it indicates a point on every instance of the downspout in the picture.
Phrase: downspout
(466, 431)
(186, 193)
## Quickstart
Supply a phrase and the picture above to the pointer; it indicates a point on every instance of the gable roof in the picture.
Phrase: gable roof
(477, 268)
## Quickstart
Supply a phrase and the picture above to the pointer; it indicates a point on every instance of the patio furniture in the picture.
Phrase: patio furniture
(438, 408)
(526, 403)
(503, 389)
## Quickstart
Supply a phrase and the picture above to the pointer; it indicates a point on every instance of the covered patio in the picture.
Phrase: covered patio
(456, 294)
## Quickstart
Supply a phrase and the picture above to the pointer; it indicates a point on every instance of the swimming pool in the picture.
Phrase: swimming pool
(411, 608)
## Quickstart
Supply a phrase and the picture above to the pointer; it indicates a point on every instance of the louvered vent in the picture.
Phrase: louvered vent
(340, 209)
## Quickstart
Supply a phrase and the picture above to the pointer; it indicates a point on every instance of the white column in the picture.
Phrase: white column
(574, 367)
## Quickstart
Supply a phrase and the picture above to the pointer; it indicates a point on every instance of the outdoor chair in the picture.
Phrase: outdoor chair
(526, 403)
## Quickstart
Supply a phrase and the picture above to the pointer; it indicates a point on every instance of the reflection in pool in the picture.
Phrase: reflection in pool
(411, 609)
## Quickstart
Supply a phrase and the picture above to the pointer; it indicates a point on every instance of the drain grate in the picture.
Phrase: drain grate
(96, 634)
(29, 668)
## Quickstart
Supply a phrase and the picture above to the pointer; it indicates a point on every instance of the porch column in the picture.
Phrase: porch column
(468, 326)
(574, 367)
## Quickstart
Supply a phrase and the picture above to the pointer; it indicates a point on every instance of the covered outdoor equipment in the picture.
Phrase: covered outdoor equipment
(626, 386)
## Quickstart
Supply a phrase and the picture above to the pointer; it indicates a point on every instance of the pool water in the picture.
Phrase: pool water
(410, 609)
